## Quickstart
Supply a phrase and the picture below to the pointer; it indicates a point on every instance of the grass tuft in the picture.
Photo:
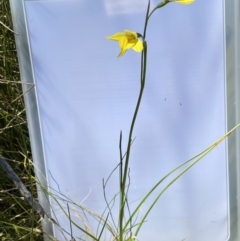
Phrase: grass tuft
(17, 219)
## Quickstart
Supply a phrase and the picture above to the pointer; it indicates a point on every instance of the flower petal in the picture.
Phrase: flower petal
(131, 34)
(185, 1)
(138, 47)
(123, 46)
(126, 40)
(121, 53)
(117, 36)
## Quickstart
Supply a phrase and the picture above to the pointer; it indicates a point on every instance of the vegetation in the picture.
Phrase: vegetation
(17, 219)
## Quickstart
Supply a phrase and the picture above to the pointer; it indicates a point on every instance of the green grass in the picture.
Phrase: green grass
(17, 219)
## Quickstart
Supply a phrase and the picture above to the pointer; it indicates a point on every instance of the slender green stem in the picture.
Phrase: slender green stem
(146, 20)
(124, 179)
(120, 179)
(123, 186)
(123, 173)
(160, 5)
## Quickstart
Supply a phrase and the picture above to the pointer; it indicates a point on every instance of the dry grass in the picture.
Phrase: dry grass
(17, 219)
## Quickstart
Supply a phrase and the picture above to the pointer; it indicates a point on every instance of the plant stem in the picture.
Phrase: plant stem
(123, 174)
(160, 5)
(123, 184)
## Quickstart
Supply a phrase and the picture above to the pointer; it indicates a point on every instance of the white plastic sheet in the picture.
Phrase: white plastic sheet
(86, 96)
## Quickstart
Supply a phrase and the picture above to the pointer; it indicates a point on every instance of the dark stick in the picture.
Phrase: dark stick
(25, 193)
(21, 187)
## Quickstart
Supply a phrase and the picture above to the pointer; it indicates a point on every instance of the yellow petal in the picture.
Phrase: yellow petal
(127, 39)
(121, 53)
(123, 46)
(131, 33)
(117, 36)
(138, 47)
(185, 1)
(130, 45)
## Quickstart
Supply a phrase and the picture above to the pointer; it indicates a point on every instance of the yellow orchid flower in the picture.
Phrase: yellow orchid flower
(127, 40)
(183, 1)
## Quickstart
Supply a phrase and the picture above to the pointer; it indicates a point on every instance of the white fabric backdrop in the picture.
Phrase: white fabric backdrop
(86, 96)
